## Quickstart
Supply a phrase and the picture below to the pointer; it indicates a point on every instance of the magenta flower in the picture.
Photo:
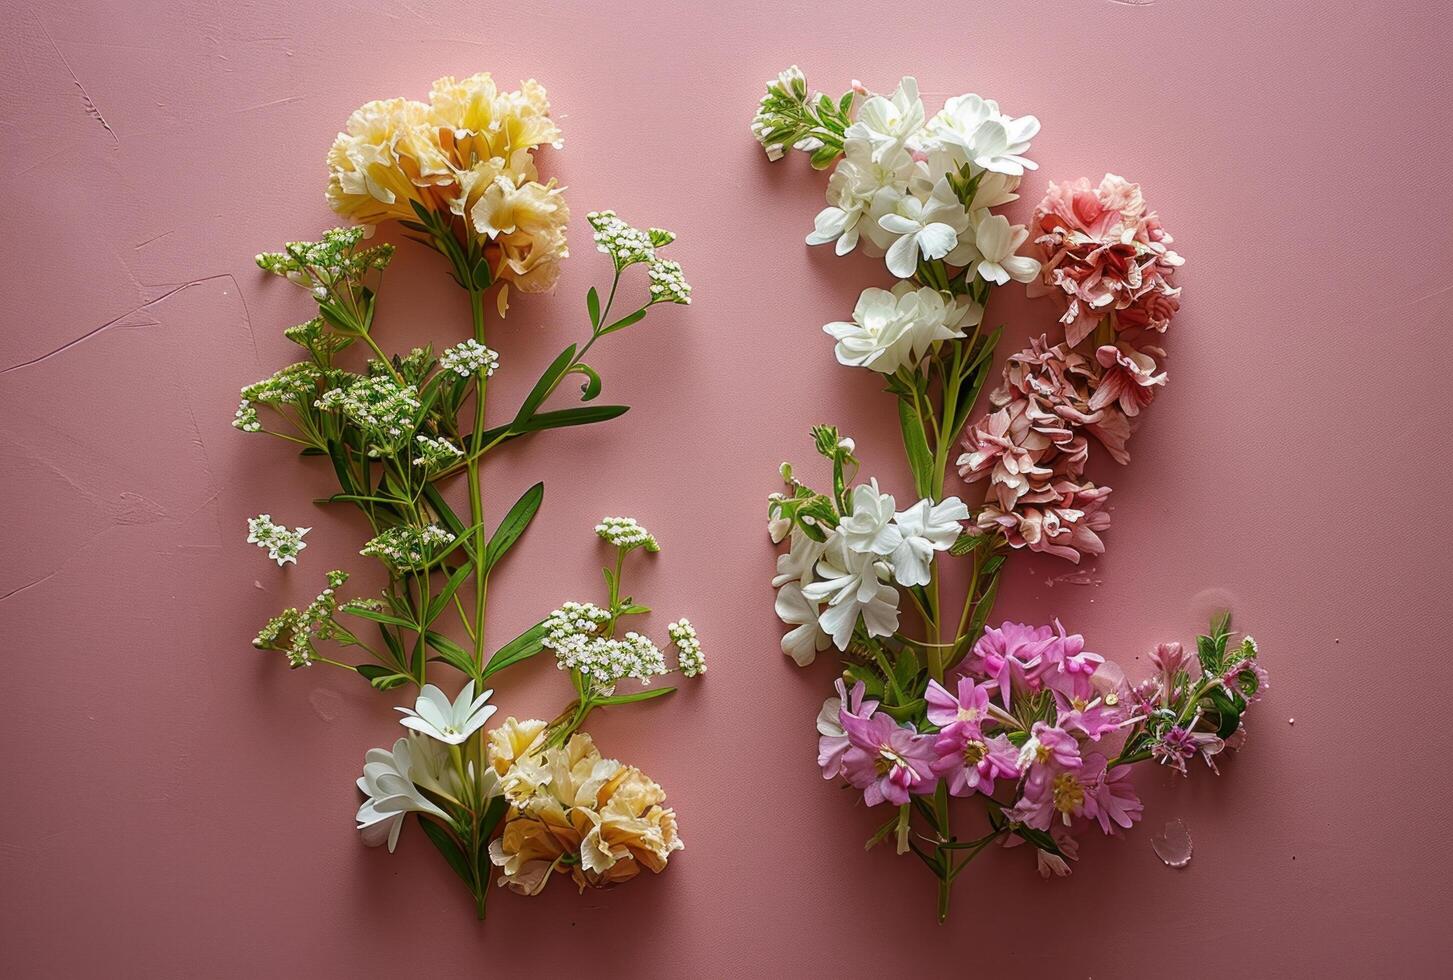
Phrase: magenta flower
(971, 762)
(887, 761)
(1084, 708)
(970, 705)
(833, 742)
(1010, 656)
(1179, 745)
(1111, 799)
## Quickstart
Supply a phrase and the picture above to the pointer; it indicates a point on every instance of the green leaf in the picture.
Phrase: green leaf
(1229, 713)
(451, 653)
(522, 647)
(1038, 838)
(634, 609)
(915, 442)
(513, 525)
(656, 692)
(444, 841)
(592, 305)
(575, 416)
(542, 389)
(382, 617)
(483, 275)
(625, 321)
(437, 604)
(381, 677)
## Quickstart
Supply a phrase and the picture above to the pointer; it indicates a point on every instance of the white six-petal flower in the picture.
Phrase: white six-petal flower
(451, 723)
(926, 527)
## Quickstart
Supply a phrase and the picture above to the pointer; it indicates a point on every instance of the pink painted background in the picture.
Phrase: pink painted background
(178, 805)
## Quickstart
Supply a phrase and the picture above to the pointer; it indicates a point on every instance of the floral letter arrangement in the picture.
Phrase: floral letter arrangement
(529, 797)
(1019, 722)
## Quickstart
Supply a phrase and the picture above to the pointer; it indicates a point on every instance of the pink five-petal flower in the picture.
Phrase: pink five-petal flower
(1110, 797)
(970, 704)
(833, 740)
(1010, 656)
(970, 762)
(887, 761)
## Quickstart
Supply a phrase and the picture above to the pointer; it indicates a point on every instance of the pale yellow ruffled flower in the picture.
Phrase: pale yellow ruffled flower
(478, 122)
(528, 222)
(386, 157)
(594, 818)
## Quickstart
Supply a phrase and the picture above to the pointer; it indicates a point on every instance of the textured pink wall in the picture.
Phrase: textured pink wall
(179, 805)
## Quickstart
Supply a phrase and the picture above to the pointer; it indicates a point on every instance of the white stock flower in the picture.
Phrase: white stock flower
(852, 586)
(802, 557)
(449, 722)
(930, 227)
(869, 528)
(973, 130)
(925, 527)
(889, 122)
(893, 328)
(859, 186)
(392, 794)
(996, 239)
(804, 641)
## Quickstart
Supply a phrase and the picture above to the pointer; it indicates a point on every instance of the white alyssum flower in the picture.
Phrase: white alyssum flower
(624, 244)
(996, 240)
(929, 227)
(668, 283)
(281, 544)
(435, 454)
(887, 123)
(869, 528)
(246, 418)
(449, 722)
(806, 639)
(925, 527)
(688, 648)
(852, 585)
(468, 358)
(407, 547)
(383, 408)
(392, 793)
(625, 532)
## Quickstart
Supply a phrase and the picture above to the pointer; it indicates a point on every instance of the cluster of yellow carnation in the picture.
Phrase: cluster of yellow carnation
(468, 152)
(574, 812)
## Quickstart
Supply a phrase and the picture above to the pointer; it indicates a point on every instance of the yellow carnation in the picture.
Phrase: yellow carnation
(386, 157)
(593, 817)
(527, 221)
(478, 122)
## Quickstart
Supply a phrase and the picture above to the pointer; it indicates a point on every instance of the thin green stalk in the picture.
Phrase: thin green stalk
(476, 500)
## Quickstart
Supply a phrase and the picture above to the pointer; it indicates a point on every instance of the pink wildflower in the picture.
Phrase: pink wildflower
(971, 761)
(887, 761)
(833, 740)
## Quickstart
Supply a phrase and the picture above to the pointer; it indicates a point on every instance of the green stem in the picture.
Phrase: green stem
(476, 499)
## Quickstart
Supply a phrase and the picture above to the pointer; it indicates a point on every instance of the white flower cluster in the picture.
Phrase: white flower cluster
(786, 95)
(406, 547)
(573, 632)
(624, 244)
(668, 283)
(894, 328)
(625, 532)
(688, 648)
(334, 258)
(293, 631)
(435, 454)
(467, 358)
(912, 188)
(295, 383)
(281, 544)
(246, 418)
(853, 571)
(383, 408)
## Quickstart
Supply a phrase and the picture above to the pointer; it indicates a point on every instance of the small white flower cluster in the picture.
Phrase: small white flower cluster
(624, 532)
(295, 383)
(668, 284)
(853, 572)
(624, 244)
(246, 418)
(779, 111)
(435, 454)
(383, 408)
(573, 632)
(293, 631)
(317, 265)
(407, 547)
(468, 358)
(688, 648)
(281, 544)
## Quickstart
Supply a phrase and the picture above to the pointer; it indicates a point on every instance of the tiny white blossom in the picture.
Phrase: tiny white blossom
(624, 532)
(668, 284)
(246, 418)
(281, 544)
(467, 358)
(436, 453)
(688, 648)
